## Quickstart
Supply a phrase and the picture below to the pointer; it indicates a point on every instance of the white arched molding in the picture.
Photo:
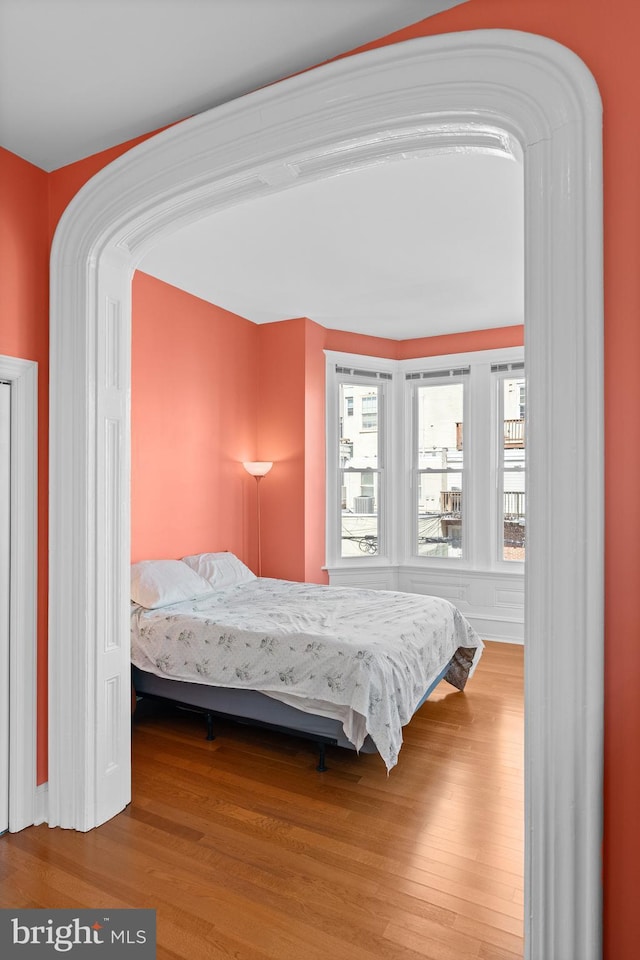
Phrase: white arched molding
(466, 89)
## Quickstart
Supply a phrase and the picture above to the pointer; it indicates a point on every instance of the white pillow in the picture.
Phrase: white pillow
(220, 569)
(157, 583)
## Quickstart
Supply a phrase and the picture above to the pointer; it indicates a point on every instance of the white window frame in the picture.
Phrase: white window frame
(386, 484)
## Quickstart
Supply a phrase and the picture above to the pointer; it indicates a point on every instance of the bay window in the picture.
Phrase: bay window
(426, 461)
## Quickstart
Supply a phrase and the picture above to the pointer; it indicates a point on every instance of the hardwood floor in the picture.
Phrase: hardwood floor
(246, 852)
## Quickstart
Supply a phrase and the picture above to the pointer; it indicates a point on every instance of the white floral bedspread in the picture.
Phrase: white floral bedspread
(374, 651)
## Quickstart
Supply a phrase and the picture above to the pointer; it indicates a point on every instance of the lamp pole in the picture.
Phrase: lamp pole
(258, 479)
(258, 469)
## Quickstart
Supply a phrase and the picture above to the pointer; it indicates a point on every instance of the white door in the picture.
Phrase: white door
(5, 514)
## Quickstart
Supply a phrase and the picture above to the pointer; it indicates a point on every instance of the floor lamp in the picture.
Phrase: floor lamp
(258, 469)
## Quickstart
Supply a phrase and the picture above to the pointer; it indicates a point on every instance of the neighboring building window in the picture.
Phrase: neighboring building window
(370, 412)
(349, 406)
(521, 399)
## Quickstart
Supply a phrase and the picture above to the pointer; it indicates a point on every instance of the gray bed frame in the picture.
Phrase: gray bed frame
(254, 708)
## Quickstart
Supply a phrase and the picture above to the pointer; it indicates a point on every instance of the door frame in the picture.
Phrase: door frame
(465, 90)
(23, 590)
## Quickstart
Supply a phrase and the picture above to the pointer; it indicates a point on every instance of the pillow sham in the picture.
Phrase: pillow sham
(220, 569)
(158, 583)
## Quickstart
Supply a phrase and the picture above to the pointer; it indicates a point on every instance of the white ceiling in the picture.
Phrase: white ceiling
(78, 76)
(404, 249)
(414, 247)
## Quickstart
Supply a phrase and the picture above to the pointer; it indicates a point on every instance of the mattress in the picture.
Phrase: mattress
(362, 657)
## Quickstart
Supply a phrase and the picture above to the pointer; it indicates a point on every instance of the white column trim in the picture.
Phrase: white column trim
(375, 106)
(23, 377)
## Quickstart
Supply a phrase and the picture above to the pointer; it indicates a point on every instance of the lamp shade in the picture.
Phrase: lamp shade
(257, 468)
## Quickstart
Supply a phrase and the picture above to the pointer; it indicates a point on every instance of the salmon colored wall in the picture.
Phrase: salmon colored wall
(193, 409)
(469, 342)
(314, 455)
(466, 342)
(344, 342)
(605, 37)
(24, 333)
(281, 438)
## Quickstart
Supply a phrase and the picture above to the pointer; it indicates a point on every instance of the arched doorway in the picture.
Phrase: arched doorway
(470, 88)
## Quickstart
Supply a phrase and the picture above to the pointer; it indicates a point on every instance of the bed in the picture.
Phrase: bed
(338, 665)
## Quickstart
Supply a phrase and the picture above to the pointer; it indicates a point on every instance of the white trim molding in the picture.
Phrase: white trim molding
(461, 90)
(23, 598)
(492, 601)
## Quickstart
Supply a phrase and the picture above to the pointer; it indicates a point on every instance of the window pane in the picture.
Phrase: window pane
(513, 474)
(440, 515)
(359, 521)
(440, 414)
(359, 426)
(440, 409)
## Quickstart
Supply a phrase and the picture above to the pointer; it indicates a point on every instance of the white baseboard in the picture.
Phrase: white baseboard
(514, 640)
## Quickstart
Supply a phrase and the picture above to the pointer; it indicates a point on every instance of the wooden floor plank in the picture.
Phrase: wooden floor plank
(246, 852)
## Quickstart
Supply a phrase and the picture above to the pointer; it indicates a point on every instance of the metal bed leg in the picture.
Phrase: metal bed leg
(321, 764)
(210, 734)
